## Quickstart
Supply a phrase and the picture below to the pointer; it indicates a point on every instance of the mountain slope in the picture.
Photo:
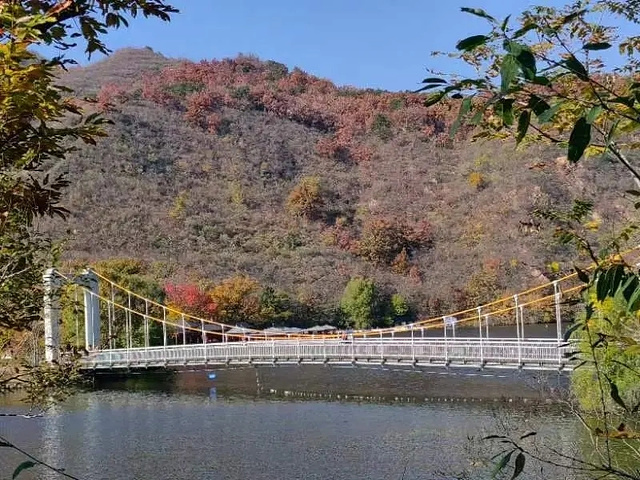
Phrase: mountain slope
(198, 170)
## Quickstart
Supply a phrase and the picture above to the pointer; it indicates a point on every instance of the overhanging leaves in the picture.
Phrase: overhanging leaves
(615, 394)
(434, 80)
(502, 464)
(582, 275)
(575, 67)
(537, 105)
(571, 329)
(504, 109)
(472, 42)
(596, 46)
(549, 113)
(465, 107)
(524, 57)
(22, 467)
(523, 125)
(593, 114)
(519, 465)
(479, 13)
(579, 140)
(434, 98)
(508, 72)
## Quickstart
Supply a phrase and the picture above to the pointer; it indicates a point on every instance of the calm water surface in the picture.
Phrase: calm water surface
(287, 423)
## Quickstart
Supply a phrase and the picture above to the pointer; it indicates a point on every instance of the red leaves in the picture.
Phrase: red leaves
(190, 299)
(345, 114)
(109, 95)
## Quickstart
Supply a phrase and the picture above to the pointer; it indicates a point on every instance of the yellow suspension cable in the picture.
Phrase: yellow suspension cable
(426, 323)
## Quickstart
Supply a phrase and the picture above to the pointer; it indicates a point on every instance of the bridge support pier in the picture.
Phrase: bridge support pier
(52, 283)
(91, 310)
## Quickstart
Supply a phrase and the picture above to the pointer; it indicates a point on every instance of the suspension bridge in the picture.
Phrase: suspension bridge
(125, 330)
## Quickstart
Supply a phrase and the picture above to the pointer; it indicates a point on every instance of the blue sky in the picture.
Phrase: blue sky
(373, 43)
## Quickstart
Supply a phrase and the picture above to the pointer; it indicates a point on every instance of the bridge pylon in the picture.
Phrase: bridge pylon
(53, 282)
(91, 309)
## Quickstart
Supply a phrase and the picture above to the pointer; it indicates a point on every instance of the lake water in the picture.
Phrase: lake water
(289, 423)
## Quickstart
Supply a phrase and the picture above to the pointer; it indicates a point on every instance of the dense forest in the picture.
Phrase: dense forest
(243, 170)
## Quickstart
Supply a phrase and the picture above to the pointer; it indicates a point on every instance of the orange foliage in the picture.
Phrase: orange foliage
(237, 299)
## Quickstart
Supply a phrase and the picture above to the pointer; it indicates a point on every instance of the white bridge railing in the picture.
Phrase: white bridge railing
(534, 354)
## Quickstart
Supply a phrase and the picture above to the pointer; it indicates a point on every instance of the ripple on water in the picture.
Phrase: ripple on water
(176, 431)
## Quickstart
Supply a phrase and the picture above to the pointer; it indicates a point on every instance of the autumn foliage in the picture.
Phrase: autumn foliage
(305, 200)
(190, 299)
(343, 115)
(385, 242)
(237, 298)
(234, 300)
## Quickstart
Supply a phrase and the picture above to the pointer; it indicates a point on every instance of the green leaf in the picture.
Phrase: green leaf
(596, 46)
(465, 107)
(634, 301)
(537, 105)
(524, 57)
(615, 394)
(472, 42)
(430, 86)
(580, 365)
(626, 101)
(501, 464)
(508, 71)
(550, 112)
(541, 80)
(629, 287)
(524, 30)
(608, 282)
(505, 22)
(433, 99)
(434, 80)
(504, 109)
(588, 311)
(602, 288)
(570, 330)
(23, 466)
(579, 140)
(519, 467)
(574, 65)
(593, 114)
(478, 12)
(582, 275)
(527, 62)
(628, 341)
(616, 275)
(612, 132)
(523, 125)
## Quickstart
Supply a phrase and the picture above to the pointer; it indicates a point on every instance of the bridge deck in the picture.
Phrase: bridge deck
(535, 354)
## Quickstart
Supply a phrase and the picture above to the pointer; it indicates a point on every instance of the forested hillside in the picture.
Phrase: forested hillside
(243, 167)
